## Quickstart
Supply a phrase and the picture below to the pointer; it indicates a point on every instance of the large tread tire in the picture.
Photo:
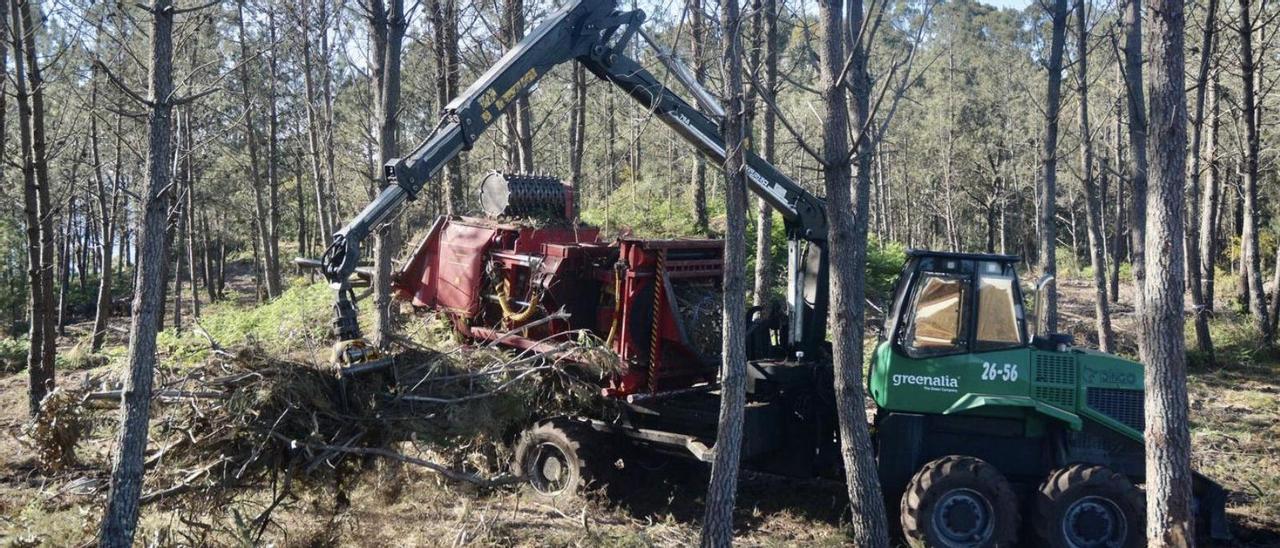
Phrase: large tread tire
(572, 446)
(1106, 491)
(963, 480)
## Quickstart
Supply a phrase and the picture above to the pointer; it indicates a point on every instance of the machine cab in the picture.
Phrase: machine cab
(955, 335)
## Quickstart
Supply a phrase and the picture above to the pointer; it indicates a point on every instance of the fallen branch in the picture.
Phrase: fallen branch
(386, 453)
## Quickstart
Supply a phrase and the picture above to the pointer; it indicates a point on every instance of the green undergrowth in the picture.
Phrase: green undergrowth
(1237, 345)
(297, 320)
(13, 354)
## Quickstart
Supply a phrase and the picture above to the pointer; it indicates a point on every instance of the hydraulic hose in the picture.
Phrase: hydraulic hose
(509, 312)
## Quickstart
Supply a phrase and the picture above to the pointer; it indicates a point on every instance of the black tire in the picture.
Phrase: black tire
(1083, 506)
(959, 501)
(553, 458)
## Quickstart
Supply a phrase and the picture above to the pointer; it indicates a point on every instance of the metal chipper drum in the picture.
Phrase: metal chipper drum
(525, 195)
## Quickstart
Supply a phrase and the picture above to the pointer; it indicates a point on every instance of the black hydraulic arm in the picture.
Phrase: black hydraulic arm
(594, 33)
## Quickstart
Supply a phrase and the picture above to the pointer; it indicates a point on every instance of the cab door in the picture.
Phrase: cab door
(962, 334)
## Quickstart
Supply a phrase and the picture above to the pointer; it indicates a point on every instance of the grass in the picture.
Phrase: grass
(298, 318)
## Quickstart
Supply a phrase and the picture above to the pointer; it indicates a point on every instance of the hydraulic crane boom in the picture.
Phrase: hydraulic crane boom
(596, 34)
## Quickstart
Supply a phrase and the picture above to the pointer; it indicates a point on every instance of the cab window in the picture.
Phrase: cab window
(938, 319)
(998, 322)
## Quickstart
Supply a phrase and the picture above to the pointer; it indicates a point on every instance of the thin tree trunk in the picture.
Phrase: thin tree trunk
(121, 516)
(260, 211)
(107, 214)
(324, 217)
(39, 212)
(847, 245)
(1251, 252)
(274, 284)
(577, 134)
(1048, 193)
(1092, 202)
(698, 40)
(387, 24)
(1200, 309)
(1117, 147)
(764, 212)
(1168, 438)
(1137, 165)
(444, 20)
(1209, 205)
(717, 527)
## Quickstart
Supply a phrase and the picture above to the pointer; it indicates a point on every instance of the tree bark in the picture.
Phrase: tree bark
(387, 26)
(106, 216)
(1168, 438)
(697, 43)
(1093, 203)
(1200, 310)
(1210, 201)
(260, 209)
(577, 134)
(1251, 251)
(324, 216)
(1137, 165)
(717, 527)
(273, 161)
(37, 203)
(121, 516)
(444, 20)
(1049, 164)
(763, 285)
(847, 241)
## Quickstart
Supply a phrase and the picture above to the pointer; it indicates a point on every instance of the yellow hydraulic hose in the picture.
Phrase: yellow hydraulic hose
(509, 312)
(617, 307)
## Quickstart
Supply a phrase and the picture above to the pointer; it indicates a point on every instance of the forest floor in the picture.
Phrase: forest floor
(1235, 426)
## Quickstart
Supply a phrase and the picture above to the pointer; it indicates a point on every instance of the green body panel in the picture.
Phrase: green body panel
(1016, 382)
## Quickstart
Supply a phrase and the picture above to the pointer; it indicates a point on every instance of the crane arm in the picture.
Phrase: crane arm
(596, 34)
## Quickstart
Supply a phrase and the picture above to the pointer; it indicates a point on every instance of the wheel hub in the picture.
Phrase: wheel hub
(549, 470)
(963, 518)
(1094, 522)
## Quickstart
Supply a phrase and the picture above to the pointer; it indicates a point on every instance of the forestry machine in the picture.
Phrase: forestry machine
(980, 427)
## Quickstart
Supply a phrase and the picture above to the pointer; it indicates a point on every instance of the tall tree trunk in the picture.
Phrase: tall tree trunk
(1137, 165)
(324, 216)
(444, 20)
(1200, 308)
(1168, 438)
(717, 527)
(64, 256)
(38, 204)
(519, 115)
(274, 283)
(121, 515)
(260, 213)
(1117, 147)
(107, 214)
(387, 25)
(1048, 195)
(1092, 202)
(577, 134)
(764, 212)
(847, 192)
(1251, 252)
(697, 43)
(1212, 196)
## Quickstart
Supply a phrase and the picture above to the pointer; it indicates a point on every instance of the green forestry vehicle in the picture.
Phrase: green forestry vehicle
(985, 433)
(980, 423)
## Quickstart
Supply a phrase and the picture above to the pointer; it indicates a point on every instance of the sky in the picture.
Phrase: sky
(1019, 4)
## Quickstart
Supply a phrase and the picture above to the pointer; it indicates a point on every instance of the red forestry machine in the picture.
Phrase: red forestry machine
(978, 424)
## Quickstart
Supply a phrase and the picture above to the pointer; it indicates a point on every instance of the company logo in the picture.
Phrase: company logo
(940, 383)
(1102, 377)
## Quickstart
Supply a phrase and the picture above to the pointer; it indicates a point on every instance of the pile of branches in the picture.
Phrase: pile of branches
(244, 416)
